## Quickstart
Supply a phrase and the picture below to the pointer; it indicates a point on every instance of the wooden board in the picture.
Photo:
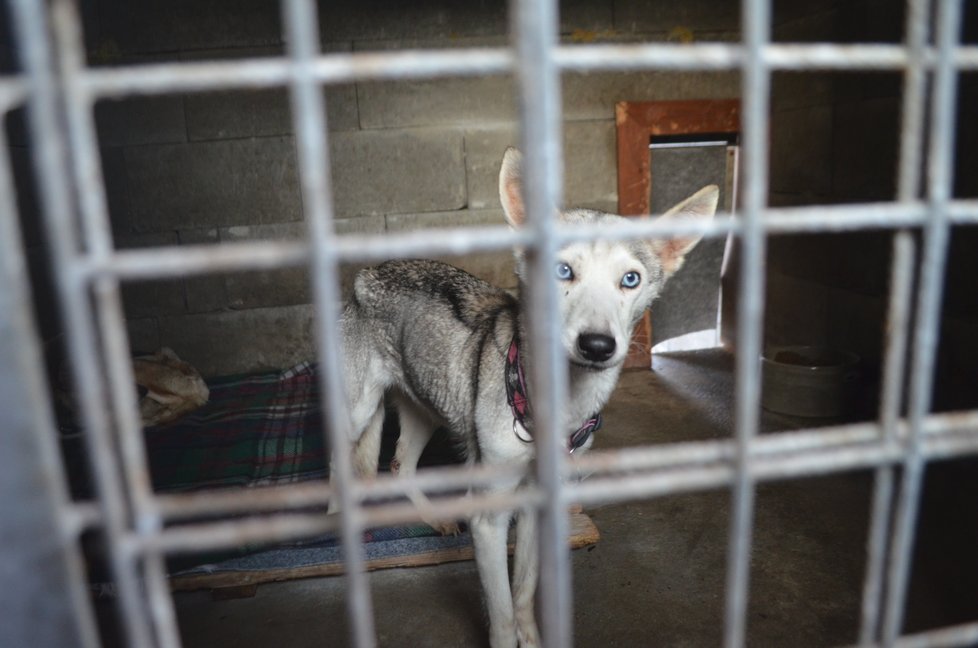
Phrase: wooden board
(583, 534)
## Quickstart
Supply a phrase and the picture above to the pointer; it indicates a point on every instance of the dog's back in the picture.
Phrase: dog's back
(425, 327)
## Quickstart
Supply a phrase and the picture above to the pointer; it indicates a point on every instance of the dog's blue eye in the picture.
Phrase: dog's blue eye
(631, 280)
(564, 272)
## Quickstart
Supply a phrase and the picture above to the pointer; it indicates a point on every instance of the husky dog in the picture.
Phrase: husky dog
(451, 351)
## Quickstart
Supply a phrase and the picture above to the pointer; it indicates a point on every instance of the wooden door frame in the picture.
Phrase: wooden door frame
(636, 123)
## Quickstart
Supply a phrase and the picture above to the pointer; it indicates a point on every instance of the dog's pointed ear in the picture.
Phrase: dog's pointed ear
(511, 187)
(701, 205)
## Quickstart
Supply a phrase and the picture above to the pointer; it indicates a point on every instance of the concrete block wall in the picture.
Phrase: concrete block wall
(221, 166)
(834, 139)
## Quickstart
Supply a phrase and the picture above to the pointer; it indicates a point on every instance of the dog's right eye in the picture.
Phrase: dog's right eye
(564, 272)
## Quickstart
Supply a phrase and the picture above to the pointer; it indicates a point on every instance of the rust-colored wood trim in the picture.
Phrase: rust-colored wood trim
(637, 122)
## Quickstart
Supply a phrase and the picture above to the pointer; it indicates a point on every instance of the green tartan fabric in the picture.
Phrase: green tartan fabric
(255, 430)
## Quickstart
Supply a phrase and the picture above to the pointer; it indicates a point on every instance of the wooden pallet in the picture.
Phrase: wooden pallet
(237, 584)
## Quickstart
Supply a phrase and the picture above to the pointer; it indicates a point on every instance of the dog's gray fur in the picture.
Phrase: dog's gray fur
(435, 338)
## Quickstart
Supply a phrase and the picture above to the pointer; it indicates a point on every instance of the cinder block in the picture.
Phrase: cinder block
(654, 15)
(590, 164)
(204, 293)
(865, 147)
(231, 342)
(288, 286)
(442, 19)
(801, 150)
(167, 26)
(141, 120)
(208, 184)
(116, 188)
(790, 90)
(271, 288)
(796, 311)
(856, 322)
(377, 172)
(379, 19)
(588, 96)
(437, 102)
(808, 21)
(144, 334)
(497, 268)
(258, 113)
(156, 297)
(959, 353)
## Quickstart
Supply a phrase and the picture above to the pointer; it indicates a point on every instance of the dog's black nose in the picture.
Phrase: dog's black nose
(595, 346)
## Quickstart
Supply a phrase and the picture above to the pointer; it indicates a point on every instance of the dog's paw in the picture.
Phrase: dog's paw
(447, 528)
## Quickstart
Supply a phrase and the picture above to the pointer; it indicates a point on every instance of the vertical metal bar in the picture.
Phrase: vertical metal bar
(756, 21)
(928, 316)
(908, 187)
(901, 284)
(86, 167)
(309, 115)
(534, 29)
(47, 133)
(40, 544)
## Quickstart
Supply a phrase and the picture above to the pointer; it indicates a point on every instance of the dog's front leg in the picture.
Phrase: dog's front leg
(489, 540)
(525, 576)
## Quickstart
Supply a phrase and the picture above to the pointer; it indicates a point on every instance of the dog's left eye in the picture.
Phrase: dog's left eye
(631, 280)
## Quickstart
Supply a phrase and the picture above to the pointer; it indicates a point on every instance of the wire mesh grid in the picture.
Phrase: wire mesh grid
(60, 91)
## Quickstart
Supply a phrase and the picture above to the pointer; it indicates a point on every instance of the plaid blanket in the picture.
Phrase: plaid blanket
(255, 430)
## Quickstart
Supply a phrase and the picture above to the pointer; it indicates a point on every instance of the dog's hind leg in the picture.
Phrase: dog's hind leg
(366, 452)
(365, 388)
(416, 430)
(489, 532)
(525, 576)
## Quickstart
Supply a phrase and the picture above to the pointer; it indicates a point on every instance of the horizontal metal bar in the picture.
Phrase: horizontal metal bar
(308, 494)
(676, 455)
(722, 56)
(963, 212)
(613, 476)
(189, 260)
(950, 637)
(828, 458)
(333, 68)
(669, 468)
(210, 76)
(194, 538)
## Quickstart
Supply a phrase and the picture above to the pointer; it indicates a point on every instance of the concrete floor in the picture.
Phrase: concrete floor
(656, 578)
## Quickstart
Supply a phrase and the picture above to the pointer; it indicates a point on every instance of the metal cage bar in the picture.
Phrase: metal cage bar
(755, 83)
(901, 284)
(60, 91)
(40, 536)
(301, 25)
(534, 32)
(109, 315)
(419, 64)
(31, 28)
(940, 166)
